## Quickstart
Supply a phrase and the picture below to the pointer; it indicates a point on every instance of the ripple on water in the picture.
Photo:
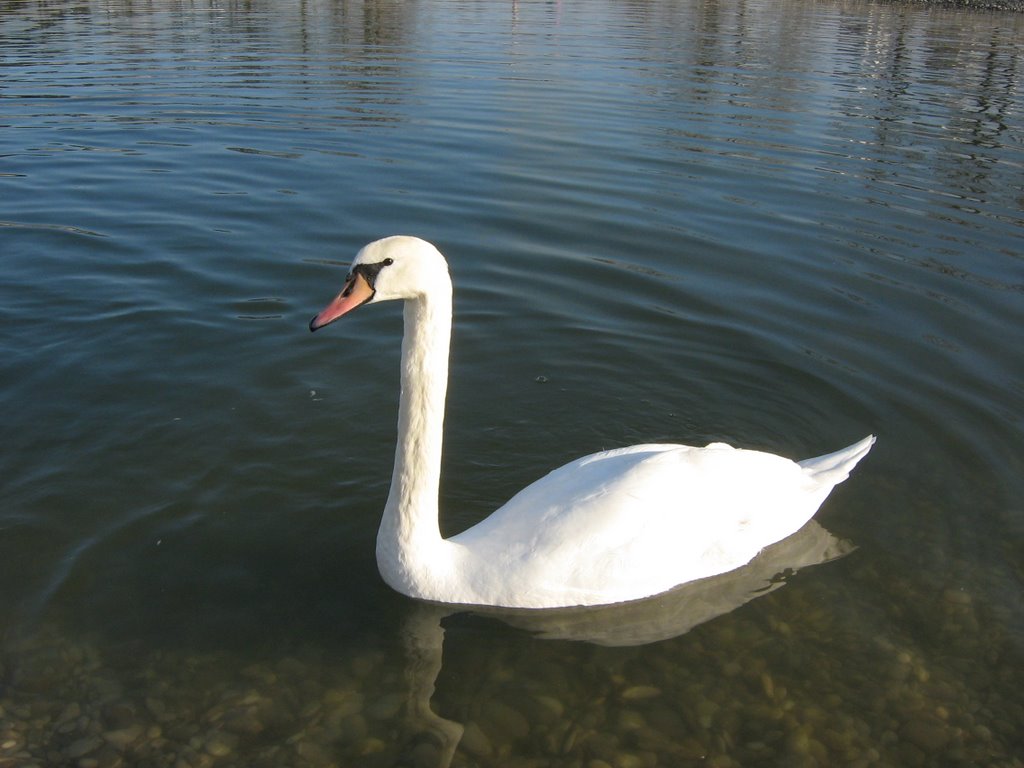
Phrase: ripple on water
(782, 225)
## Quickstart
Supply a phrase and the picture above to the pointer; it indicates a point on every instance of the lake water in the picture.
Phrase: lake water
(784, 225)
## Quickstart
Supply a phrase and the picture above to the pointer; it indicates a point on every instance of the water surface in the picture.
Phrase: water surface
(782, 225)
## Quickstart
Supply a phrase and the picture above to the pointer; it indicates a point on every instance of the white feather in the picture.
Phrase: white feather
(610, 527)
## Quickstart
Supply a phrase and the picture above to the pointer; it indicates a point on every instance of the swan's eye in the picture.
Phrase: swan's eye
(370, 271)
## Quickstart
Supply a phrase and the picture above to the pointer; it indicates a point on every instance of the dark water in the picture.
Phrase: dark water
(784, 225)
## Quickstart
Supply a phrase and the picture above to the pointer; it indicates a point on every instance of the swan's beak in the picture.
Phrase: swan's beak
(355, 292)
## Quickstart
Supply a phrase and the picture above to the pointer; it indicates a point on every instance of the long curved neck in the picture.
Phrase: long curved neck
(409, 539)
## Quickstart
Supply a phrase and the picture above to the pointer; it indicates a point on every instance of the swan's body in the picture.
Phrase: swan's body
(613, 526)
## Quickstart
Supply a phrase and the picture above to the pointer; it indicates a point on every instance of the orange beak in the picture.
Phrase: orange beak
(354, 293)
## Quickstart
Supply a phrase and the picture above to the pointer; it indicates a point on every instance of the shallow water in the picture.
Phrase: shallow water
(781, 225)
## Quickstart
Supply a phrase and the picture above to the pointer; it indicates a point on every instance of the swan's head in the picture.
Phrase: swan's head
(399, 267)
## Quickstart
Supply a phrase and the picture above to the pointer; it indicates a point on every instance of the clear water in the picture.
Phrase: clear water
(784, 225)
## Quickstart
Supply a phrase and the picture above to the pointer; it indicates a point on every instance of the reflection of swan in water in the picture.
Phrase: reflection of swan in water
(424, 645)
(676, 612)
(636, 623)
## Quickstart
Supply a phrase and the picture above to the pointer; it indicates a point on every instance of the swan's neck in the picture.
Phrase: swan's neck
(410, 551)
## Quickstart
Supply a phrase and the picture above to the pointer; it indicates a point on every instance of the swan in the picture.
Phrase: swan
(610, 527)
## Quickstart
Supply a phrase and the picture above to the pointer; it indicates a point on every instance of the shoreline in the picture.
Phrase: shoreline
(1014, 6)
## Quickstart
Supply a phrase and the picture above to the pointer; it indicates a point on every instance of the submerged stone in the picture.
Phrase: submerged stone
(927, 732)
(83, 747)
(121, 738)
(475, 741)
(503, 723)
(637, 692)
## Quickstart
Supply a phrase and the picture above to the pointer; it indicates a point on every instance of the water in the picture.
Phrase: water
(782, 225)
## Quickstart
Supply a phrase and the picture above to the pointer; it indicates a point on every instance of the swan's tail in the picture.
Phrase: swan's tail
(835, 467)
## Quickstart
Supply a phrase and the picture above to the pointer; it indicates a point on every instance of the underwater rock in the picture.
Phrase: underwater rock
(927, 732)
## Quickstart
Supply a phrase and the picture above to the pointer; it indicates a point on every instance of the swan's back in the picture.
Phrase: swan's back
(634, 522)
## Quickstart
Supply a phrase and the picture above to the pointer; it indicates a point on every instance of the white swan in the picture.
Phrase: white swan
(613, 526)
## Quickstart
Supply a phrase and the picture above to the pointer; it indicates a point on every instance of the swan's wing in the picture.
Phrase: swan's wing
(581, 498)
(637, 521)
